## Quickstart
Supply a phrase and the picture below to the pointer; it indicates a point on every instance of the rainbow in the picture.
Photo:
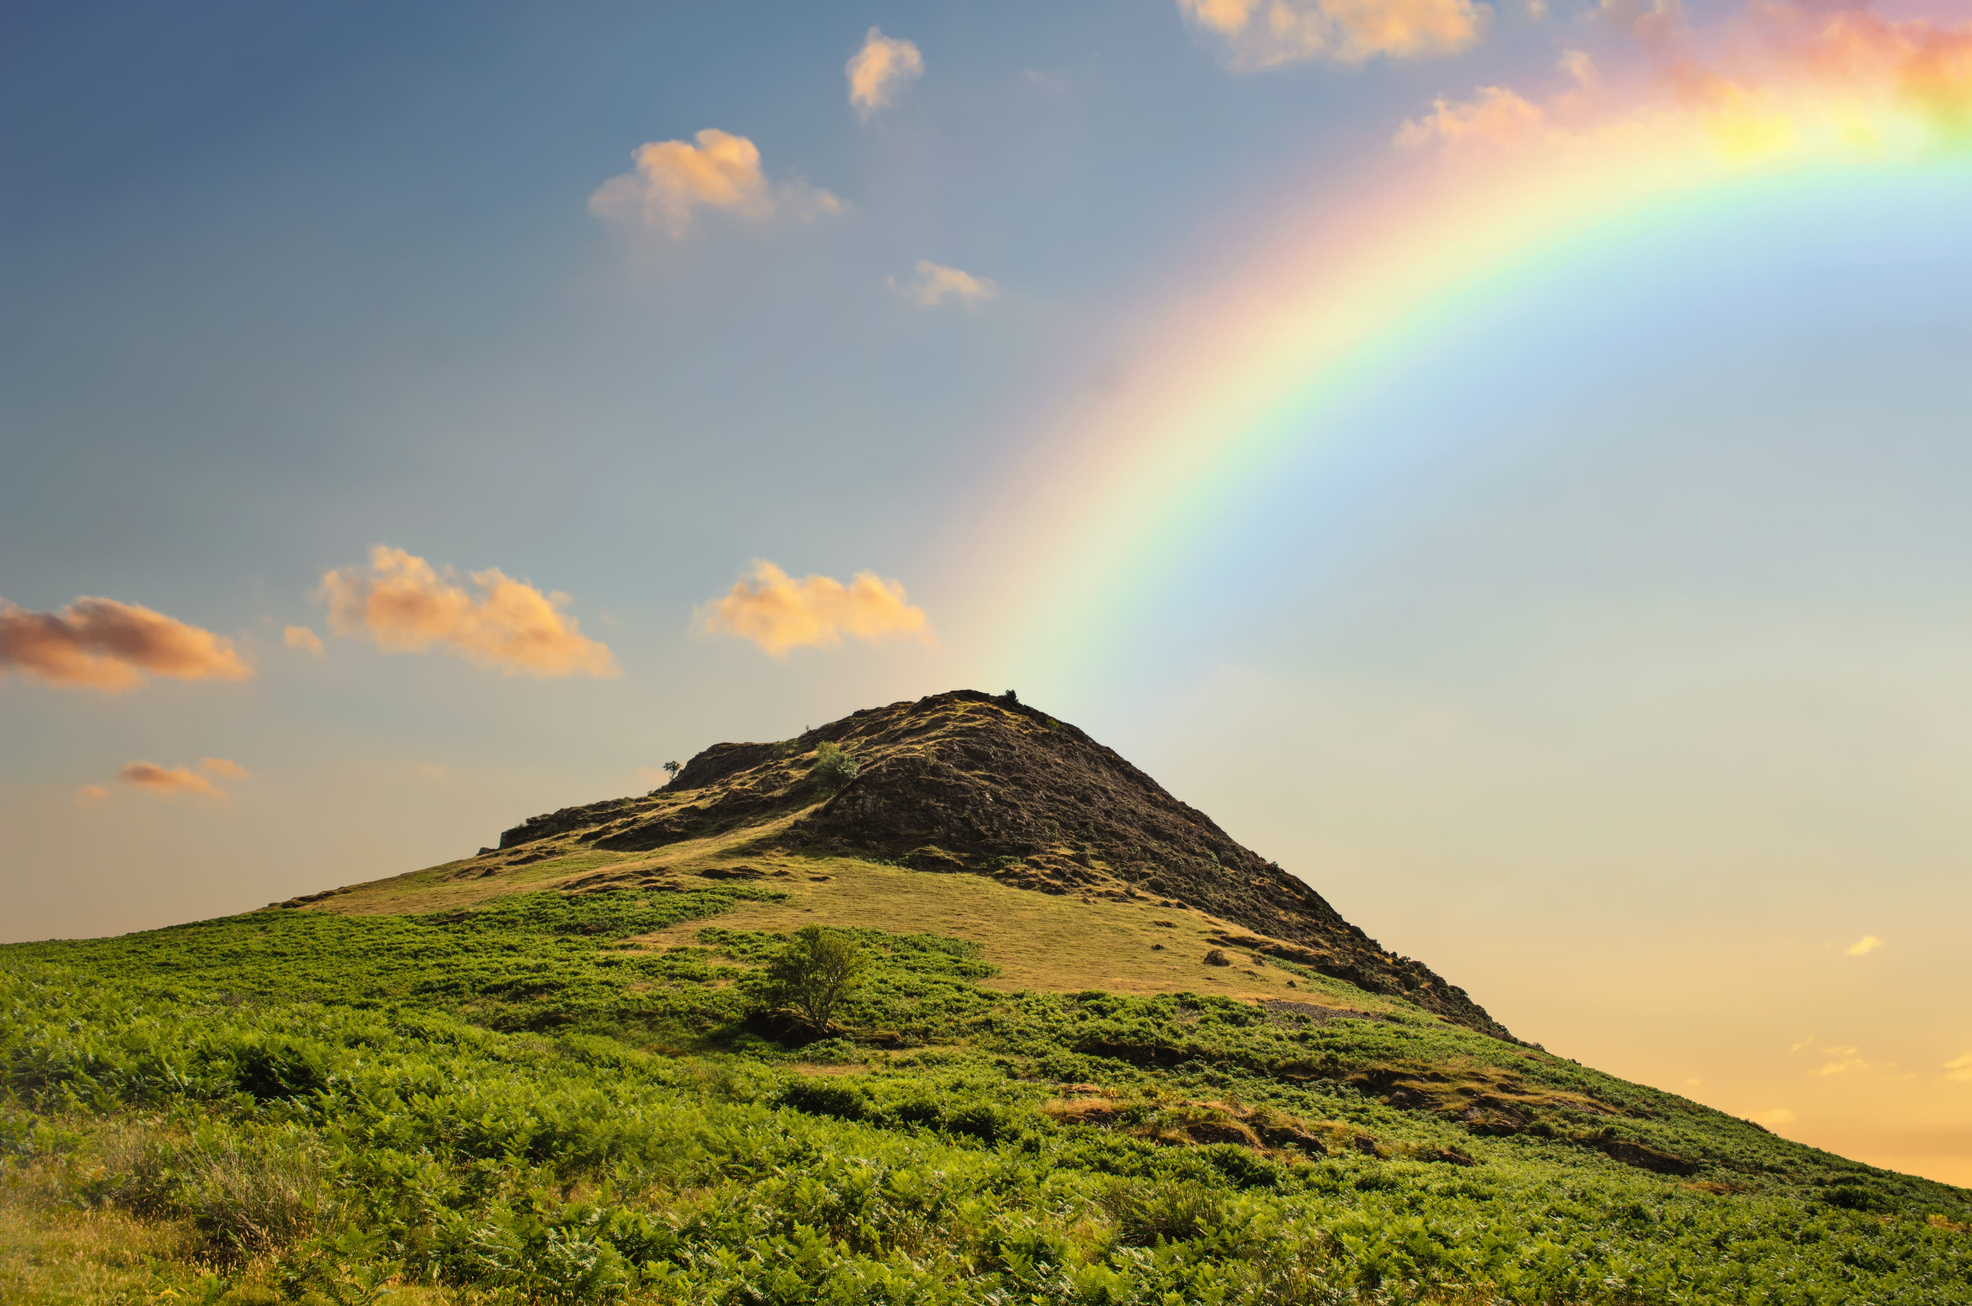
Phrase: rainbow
(1228, 384)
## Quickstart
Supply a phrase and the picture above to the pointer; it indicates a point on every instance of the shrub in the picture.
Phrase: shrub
(814, 973)
(1151, 1211)
(833, 767)
(1217, 957)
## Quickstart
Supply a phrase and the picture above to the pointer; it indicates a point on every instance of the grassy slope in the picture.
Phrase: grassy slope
(537, 1076)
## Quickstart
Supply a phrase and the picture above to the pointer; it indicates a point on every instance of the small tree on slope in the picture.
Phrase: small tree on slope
(811, 977)
(833, 767)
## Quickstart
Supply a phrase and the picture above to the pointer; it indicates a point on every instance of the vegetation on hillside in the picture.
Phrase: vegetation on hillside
(517, 1103)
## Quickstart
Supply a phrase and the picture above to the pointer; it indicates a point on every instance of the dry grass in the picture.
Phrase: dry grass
(1040, 942)
(51, 1256)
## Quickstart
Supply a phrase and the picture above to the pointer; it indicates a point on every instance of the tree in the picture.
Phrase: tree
(672, 768)
(833, 767)
(814, 973)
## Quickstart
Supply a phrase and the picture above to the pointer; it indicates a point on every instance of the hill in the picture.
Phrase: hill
(1101, 1053)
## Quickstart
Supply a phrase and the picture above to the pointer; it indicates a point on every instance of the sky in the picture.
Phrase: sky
(1504, 461)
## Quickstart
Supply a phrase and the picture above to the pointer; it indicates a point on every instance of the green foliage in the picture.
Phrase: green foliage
(834, 767)
(508, 1106)
(813, 974)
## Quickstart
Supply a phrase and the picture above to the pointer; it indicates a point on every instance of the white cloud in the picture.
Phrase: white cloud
(715, 170)
(406, 605)
(779, 613)
(880, 71)
(935, 283)
(1268, 33)
(1862, 947)
(1495, 115)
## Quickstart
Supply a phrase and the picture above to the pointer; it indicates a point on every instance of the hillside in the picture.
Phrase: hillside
(966, 783)
(1101, 1053)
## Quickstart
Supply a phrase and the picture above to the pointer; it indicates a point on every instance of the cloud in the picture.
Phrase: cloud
(1268, 33)
(780, 613)
(404, 605)
(1960, 1068)
(1772, 1117)
(168, 780)
(302, 638)
(935, 283)
(1495, 115)
(1846, 1059)
(97, 643)
(90, 795)
(880, 71)
(223, 768)
(1578, 65)
(721, 171)
(1806, 1042)
(1777, 79)
(1862, 947)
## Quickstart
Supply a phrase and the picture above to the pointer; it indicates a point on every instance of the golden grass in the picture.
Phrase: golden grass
(1039, 942)
(55, 1257)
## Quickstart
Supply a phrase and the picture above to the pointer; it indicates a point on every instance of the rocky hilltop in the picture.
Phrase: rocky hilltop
(971, 783)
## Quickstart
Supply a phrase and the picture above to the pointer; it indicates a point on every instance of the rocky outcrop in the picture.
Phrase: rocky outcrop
(965, 782)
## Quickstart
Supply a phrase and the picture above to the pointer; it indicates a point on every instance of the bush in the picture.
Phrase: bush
(833, 767)
(1217, 957)
(813, 974)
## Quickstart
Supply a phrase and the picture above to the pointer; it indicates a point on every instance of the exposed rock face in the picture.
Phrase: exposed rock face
(966, 782)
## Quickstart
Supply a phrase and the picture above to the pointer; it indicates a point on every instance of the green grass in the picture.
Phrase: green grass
(511, 1104)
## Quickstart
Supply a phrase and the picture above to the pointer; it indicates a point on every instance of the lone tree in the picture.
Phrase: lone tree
(833, 767)
(672, 769)
(814, 973)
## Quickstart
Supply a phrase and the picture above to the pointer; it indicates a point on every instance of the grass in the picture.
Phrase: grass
(1035, 941)
(430, 1091)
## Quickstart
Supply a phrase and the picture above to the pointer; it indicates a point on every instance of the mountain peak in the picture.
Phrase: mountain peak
(971, 783)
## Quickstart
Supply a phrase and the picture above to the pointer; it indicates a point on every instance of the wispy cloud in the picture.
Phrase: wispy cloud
(1862, 947)
(779, 613)
(1777, 77)
(880, 71)
(714, 170)
(934, 283)
(97, 643)
(405, 605)
(1268, 33)
(1494, 114)
(90, 795)
(1960, 1068)
(302, 638)
(1772, 1117)
(181, 779)
(1844, 1060)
